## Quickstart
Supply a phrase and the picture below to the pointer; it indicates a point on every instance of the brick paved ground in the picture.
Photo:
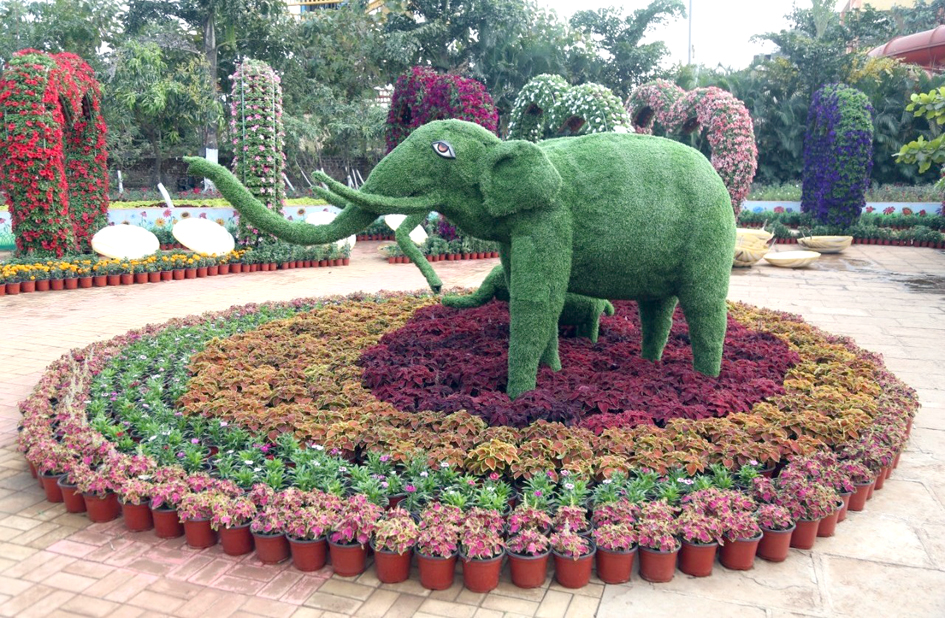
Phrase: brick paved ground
(886, 561)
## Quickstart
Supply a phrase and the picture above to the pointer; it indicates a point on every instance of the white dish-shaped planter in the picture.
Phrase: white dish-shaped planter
(756, 233)
(792, 259)
(748, 256)
(203, 236)
(417, 234)
(324, 218)
(825, 244)
(125, 242)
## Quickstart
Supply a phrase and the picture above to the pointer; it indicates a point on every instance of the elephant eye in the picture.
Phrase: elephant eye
(444, 150)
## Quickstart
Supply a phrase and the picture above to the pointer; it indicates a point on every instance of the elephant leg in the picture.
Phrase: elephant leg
(584, 312)
(707, 319)
(540, 270)
(410, 249)
(656, 318)
(493, 286)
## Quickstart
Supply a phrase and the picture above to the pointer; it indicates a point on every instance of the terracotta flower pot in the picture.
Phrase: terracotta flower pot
(141, 277)
(697, 559)
(775, 544)
(223, 269)
(13, 289)
(102, 508)
(71, 283)
(574, 572)
(166, 523)
(805, 533)
(615, 567)
(858, 499)
(348, 560)
(845, 499)
(177, 274)
(739, 554)
(137, 517)
(199, 534)
(880, 479)
(482, 575)
(236, 541)
(529, 571)
(322, 263)
(213, 271)
(436, 573)
(51, 486)
(154, 277)
(345, 261)
(127, 278)
(828, 524)
(392, 568)
(99, 281)
(42, 285)
(74, 501)
(271, 548)
(201, 272)
(190, 273)
(113, 279)
(308, 555)
(657, 566)
(28, 287)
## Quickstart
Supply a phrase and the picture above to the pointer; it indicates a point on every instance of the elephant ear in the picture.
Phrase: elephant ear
(517, 176)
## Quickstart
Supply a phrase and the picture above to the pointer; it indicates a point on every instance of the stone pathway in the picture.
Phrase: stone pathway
(886, 561)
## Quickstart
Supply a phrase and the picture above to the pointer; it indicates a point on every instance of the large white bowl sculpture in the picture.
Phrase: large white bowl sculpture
(417, 234)
(825, 244)
(324, 218)
(125, 242)
(203, 236)
(792, 259)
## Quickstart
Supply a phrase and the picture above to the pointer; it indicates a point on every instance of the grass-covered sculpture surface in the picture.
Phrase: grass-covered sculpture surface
(604, 216)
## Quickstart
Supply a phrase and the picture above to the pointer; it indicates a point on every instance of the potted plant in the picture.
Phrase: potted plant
(71, 496)
(50, 459)
(98, 491)
(394, 540)
(165, 497)
(268, 530)
(528, 557)
(134, 496)
(528, 517)
(742, 536)
(573, 518)
(809, 502)
(305, 528)
(862, 479)
(351, 531)
(574, 557)
(481, 549)
(437, 544)
(777, 526)
(701, 534)
(656, 538)
(195, 511)
(230, 517)
(616, 549)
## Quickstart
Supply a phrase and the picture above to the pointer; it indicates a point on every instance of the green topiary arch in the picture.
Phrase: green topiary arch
(723, 118)
(54, 169)
(548, 107)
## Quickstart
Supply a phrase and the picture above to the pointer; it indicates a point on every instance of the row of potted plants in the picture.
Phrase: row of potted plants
(870, 218)
(93, 271)
(919, 236)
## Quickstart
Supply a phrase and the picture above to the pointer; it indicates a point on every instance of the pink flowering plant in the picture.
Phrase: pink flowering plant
(657, 527)
(740, 525)
(168, 494)
(699, 528)
(96, 481)
(49, 456)
(571, 518)
(525, 517)
(356, 521)
(615, 537)
(528, 542)
(396, 533)
(619, 512)
(438, 540)
(135, 491)
(439, 514)
(196, 506)
(307, 523)
(231, 512)
(480, 538)
(570, 544)
(269, 520)
(774, 517)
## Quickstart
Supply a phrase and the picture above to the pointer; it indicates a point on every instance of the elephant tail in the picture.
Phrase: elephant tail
(256, 213)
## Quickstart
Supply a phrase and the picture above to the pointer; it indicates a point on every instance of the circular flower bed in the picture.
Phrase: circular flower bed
(261, 415)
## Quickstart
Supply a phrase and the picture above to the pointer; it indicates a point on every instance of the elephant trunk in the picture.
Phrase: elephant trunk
(351, 220)
(378, 204)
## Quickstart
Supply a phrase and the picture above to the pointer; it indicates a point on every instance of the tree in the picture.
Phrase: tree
(612, 52)
(165, 96)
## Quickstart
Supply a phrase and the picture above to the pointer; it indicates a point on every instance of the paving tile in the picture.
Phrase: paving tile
(267, 607)
(179, 589)
(378, 604)
(210, 572)
(554, 605)
(209, 602)
(510, 605)
(488, 613)
(342, 588)
(90, 606)
(88, 569)
(447, 609)
(332, 603)
(36, 601)
(130, 588)
(69, 581)
(582, 607)
(308, 612)
(280, 585)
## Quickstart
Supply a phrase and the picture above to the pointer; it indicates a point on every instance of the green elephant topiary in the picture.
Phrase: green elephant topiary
(618, 216)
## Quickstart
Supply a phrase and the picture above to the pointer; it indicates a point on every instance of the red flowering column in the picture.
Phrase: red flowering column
(423, 95)
(54, 172)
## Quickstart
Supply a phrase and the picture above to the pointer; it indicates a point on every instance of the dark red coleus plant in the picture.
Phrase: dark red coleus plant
(447, 359)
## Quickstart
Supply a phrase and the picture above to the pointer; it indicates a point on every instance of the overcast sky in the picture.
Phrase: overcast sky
(721, 29)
